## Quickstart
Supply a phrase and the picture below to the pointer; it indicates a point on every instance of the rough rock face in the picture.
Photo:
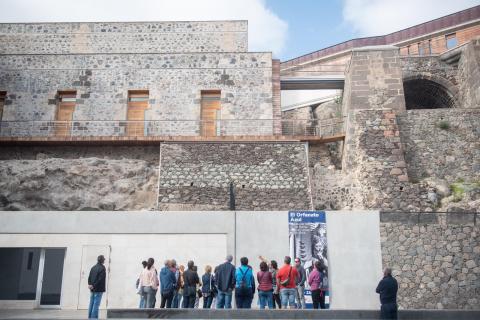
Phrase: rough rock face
(78, 184)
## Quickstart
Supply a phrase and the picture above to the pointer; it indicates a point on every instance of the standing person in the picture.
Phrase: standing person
(96, 284)
(286, 279)
(141, 305)
(149, 282)
(191, 280)
(276, 287)
(315, 283)
(300, 283)
(244, 285)
(176, 296)
(388, 288)
(225, 280)
(208, 287)
(167, 285)
(180, 284)
(265, 286)
(198, 291)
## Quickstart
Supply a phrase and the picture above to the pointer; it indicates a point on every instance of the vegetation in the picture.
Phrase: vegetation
(443, 125)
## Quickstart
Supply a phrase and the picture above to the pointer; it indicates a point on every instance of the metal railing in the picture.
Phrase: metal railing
(162, 128)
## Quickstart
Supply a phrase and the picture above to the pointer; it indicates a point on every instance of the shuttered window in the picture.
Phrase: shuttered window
(210, 113)
(137, 104)
(65, 107)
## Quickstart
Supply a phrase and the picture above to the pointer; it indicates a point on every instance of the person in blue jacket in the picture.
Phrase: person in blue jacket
(167, 285)
(244, 285)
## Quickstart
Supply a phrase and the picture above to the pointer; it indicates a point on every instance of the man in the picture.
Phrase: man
(176, 296)
(225, 280)
(387, 288)
(167, 285)
(286, 280)
(191, 280)
(300, 283)
(244, 285)
(96, 284)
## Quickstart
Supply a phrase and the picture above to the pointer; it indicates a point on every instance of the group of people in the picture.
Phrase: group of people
(277, 287)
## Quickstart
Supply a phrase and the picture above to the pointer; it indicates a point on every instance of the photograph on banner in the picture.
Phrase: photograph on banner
(308, 242)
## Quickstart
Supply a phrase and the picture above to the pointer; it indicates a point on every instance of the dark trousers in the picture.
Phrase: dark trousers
(189, 301)
(207, 301)
(389, 311)
(167, 299)
(318, 299)
(277, 301)
(243, 301)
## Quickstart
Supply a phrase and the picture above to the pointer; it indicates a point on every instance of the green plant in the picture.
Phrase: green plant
(443, 125)
(458, 191)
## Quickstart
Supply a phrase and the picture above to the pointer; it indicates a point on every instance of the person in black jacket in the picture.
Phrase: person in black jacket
(387, 288)
(190, 279)
(96, 284)
(225, 281)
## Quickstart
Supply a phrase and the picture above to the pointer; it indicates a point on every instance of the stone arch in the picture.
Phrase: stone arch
(428, 92)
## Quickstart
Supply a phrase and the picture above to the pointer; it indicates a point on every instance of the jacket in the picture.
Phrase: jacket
(244, 273)
(97, 278)
(190, 278)
(208, 283)
(225, 277)
(315, 279)
(168, 281)
(387, 288)
(302, 276)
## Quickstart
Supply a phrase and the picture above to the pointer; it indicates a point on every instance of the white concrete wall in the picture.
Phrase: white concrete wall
(205, 237)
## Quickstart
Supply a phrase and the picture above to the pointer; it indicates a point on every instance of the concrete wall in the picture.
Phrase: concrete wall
(205, 237)
(124, 37)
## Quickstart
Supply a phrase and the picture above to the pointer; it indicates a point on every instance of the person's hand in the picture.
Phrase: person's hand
(90, 287)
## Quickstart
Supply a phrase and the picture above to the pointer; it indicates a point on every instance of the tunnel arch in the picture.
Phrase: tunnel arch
(428, 93)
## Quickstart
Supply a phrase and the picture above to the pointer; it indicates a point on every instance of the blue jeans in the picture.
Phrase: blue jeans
(95, 300)
(141, 305)
(288, 297)
(266, 298)
(243, 301)
(224, 299)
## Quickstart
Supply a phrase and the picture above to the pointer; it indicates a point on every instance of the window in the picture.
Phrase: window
(421, 49)
(3, 96)
(210, 113)
(408, 50)
(65, 108)
(137, 104)
(451, 40)
(19, 273)
(429, 48)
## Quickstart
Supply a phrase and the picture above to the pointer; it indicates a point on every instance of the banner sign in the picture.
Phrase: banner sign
(308, 242)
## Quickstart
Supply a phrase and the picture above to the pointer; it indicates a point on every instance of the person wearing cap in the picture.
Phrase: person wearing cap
(225, 280)
(96, 284)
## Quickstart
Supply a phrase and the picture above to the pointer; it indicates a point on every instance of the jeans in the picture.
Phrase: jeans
(276, 301)
(287, 296)
(207, 301)
(389, 311)
(301, 297)
(167, 298)
(141, 305)
(244, 301)
(224, 299)
(148, 294)
(95, 300)
(189, 301)
(266, 298)
(318, 299)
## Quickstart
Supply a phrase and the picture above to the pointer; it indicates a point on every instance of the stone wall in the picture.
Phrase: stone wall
(174, 82)
(124, 37)
(469, 72)
(267, 176)
(78, 178)
(435, 258)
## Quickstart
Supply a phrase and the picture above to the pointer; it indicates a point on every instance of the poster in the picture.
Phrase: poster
(308, 242)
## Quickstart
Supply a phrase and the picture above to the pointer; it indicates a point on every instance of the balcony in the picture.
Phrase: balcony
(153, 131)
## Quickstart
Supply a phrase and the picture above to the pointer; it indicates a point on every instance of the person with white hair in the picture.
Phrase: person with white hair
(225, 280)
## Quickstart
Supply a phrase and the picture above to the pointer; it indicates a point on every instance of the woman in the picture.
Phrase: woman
(208, 287)
(265, 286)
(276, 293)
(149, 283)
(181, 284)
(315, 282)
(140, 289)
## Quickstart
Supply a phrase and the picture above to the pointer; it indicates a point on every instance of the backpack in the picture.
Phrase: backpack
(243, 289)
(287, 280)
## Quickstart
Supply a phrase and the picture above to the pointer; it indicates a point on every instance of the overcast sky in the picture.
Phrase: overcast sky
(289, 28)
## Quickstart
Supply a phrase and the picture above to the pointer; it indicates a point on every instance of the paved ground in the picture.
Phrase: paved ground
(47, 314)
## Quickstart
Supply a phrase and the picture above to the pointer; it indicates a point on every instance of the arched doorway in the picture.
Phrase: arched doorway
(426, 94)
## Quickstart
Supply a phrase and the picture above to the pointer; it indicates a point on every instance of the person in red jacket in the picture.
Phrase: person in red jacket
(286, 280)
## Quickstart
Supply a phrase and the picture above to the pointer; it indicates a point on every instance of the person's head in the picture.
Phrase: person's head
(144, 264)
(298, 263)
(167, 263)
(287, 260)
(150, 263)
(101, 259)
(229, 258)
(181, 268)
(174, 263)
(387, 272)
(318, 265)
(208, 269)
(263, 266)
(274, 264)
(190, 264)
(244, 261)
